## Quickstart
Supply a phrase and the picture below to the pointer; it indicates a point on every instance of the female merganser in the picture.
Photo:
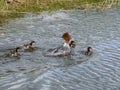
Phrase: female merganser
(29, 45)
(13, 52)
(64, 49)
(89, 51)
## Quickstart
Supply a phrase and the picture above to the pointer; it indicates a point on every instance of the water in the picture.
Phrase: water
(33, 71)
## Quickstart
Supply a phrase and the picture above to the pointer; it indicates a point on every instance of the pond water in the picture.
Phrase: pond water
(33, 71)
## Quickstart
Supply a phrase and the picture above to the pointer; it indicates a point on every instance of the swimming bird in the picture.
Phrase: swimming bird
(13, 52)
(64, 49)
(89, 51)
(29, 45)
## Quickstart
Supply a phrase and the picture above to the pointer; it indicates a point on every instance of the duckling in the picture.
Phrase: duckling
(13, 53)
(72, 44)
(29, 45)
(89, 51)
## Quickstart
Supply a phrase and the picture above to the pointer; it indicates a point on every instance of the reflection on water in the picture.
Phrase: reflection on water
(33, 71)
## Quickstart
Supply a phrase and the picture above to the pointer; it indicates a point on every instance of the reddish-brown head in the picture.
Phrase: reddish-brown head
(66, 36)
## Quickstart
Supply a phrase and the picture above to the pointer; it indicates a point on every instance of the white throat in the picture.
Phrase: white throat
(66, 44)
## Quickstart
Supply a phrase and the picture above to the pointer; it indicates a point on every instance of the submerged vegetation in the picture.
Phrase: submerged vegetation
(17, 8)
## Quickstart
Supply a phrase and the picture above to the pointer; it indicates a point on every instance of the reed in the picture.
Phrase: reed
(17, 8)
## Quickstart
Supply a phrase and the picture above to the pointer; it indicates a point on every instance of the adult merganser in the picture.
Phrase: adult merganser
(13, 53)
(29, 45)
(64, 49)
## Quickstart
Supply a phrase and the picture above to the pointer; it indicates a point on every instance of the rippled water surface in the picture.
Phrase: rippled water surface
(33, 71)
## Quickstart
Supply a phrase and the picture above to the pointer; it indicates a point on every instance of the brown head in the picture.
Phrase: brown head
(89, 49)
(66, 36)
(17, 48)
(32, 42)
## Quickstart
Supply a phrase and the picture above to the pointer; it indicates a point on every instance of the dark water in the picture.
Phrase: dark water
(33, 71)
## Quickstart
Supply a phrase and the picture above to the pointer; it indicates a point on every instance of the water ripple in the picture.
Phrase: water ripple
(100, 30)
